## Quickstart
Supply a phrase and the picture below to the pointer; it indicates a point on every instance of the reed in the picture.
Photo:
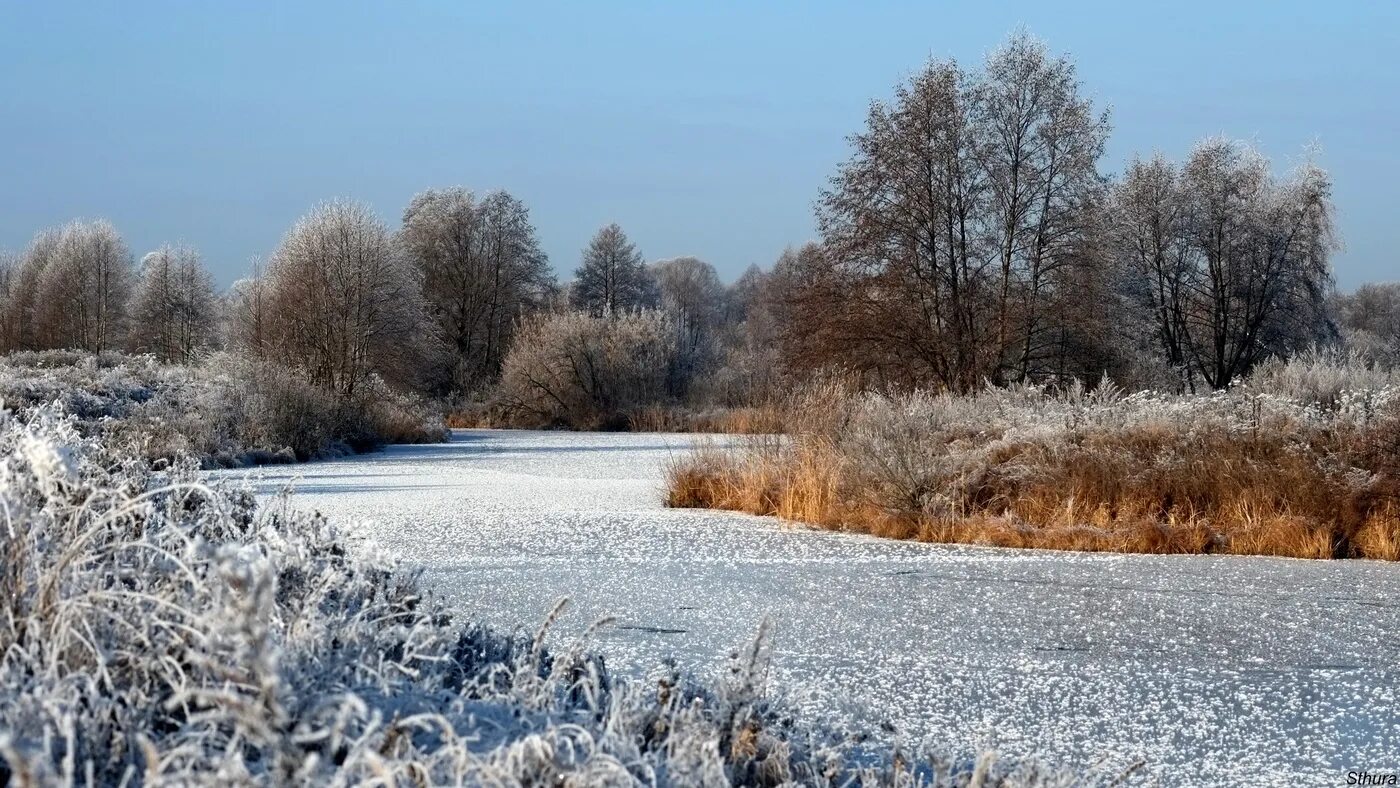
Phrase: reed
(1243, 471)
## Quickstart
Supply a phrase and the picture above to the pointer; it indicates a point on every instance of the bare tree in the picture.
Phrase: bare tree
(1233, 263)
(82, 293)
(10, 316)
(741, 297)
(172, 308)
(482, 270)
(1038, 145)
(20, 315)
(689, 287)
(900, 289)
(343, 302)
(1086, 329)
(612, 277)
(1370, 320)
(1149, 233)
(245, 310)
(950, 233)
(970, 237)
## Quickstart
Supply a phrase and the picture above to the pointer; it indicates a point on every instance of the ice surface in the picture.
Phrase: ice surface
(1213, 669)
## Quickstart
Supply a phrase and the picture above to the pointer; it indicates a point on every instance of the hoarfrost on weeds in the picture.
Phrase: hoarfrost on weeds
(155, 630)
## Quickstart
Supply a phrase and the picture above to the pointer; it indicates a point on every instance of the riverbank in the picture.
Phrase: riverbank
(1210, 668)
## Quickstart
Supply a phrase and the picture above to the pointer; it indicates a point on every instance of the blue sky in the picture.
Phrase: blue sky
(703, 128)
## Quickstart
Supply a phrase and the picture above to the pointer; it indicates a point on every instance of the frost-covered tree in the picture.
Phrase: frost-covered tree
(690, 288)
(749, 372)
(22, 294)
(951, 234)
(1038, 145)
(1149, 234)
(343, 302)
(612, 277)
(1232, 262)
(10, 325)
(1262, 259)
(482, 270)
(173, 307)
(83, 289)
(741, 297)
(1370, 321)
(244, 310)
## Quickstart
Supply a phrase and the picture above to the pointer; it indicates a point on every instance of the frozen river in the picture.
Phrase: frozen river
(1212, 669)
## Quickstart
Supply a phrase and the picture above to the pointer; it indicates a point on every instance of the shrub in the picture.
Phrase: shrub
(1321, 376)
(588, 372)
(226, 410)
(1311, 472)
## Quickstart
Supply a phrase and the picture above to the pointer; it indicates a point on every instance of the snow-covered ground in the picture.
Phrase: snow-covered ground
(1212, 669)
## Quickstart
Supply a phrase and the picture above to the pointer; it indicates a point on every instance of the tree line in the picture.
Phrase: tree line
(433, 305)
(972, 237)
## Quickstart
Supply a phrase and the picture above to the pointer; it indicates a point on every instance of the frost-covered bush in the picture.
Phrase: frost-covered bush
(1322, 376)
(1370, 322)
(1301, 460)
(586, 371)
(227, 409)
(261, 405)
(154, 630)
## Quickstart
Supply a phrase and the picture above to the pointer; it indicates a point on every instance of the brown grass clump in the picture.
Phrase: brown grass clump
(473, 417)
(657, 418)
(1379, 536)
(725, 421)
(769, 480)
(1239, 472)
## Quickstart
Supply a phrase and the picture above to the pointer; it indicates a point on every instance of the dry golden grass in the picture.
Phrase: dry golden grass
(726, 421)
(769, 482)
(1125, 490)
(1379, 536)
(478, 419)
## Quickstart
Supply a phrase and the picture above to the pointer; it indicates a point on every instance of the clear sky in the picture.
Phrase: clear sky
(703, 128)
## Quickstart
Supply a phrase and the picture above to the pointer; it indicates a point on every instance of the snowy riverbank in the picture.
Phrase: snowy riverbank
(1212, 669)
